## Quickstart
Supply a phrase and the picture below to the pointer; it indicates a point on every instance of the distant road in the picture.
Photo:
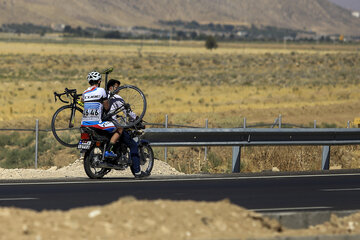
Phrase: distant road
(262, 193)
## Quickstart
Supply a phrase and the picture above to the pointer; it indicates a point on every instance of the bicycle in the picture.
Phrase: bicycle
(66, 121)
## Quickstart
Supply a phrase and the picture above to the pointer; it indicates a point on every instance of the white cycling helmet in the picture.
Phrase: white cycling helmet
(94, 76)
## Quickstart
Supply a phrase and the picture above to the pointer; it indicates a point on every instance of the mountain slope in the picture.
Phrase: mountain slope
(321, 16)
(353, 5)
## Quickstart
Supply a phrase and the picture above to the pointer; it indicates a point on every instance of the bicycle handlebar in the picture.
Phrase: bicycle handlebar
(57, 95)
(67, 92)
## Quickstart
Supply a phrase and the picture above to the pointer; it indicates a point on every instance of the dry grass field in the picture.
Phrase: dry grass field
(302, 82)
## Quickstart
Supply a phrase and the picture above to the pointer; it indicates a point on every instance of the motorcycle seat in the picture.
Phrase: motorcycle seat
(97, 133)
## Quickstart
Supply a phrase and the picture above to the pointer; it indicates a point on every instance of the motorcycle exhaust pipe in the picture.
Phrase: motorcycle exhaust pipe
(108, 165)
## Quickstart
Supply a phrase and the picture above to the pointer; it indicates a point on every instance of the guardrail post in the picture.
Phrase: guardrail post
(314, 123)
(244, 122)
(206, 149)
(236, 159)
(279, 120)
(325, 164)
(36, 141)
(166, 126)
(275, 122)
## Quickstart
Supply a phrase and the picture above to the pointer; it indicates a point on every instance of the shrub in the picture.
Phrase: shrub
(211, 43)
(214, 160)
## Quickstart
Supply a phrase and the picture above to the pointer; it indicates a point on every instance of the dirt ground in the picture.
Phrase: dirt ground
(129, 218)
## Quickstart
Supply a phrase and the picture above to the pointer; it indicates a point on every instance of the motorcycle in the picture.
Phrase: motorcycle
(94, 142)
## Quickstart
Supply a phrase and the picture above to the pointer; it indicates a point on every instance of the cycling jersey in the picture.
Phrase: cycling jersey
(117, 102)
(93, 107)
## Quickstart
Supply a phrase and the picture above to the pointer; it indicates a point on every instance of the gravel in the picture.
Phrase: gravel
(76, 170)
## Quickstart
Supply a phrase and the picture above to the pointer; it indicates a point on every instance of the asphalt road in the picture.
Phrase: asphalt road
(262, 193)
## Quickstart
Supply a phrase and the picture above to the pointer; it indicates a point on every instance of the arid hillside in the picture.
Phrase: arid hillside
(320, 16)
(353, 5)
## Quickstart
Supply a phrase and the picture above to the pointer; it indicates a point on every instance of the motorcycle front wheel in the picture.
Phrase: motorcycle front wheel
(146, 159)
(90, 159)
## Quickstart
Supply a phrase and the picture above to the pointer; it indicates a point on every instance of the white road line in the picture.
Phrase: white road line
(289, 209)
(340, 189)
(17, 199)
(131, 180)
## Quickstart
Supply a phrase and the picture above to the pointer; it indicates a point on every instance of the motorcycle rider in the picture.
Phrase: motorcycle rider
(117, 102)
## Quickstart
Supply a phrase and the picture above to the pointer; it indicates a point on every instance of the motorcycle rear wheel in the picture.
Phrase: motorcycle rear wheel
(90, 170)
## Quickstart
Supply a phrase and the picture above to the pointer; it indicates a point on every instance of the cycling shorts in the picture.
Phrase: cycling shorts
(105, 126)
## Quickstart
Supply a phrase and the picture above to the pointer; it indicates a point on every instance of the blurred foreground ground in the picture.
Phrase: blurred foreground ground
(129, 218)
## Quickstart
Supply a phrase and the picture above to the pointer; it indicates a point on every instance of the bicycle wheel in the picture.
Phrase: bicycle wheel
(135, 98)
(65, 125)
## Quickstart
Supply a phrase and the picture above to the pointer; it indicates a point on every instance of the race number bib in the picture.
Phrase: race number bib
(92, 112)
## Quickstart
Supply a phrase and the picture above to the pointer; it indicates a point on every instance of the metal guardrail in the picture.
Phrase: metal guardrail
(185, 135)
(240, 137)
(251, 136)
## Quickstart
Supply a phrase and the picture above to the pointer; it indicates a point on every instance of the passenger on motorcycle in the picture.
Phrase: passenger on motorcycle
(117, 102)
(95, 100)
